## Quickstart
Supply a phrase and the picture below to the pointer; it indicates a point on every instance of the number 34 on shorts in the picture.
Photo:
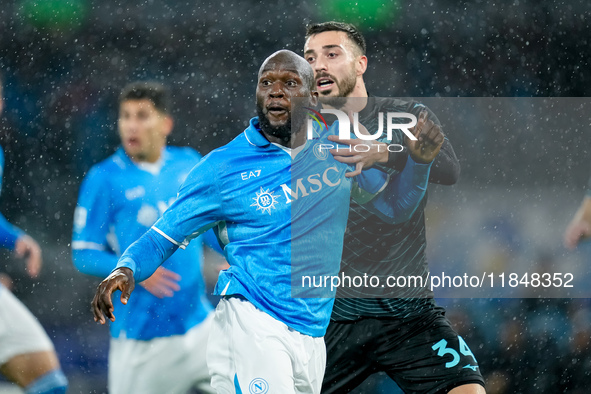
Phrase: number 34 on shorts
(444, 351)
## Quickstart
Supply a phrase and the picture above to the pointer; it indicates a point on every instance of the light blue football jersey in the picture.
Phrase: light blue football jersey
(274, 209)
(118, 202)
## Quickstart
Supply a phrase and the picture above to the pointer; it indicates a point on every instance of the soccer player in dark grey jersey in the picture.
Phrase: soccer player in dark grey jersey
(402, 333)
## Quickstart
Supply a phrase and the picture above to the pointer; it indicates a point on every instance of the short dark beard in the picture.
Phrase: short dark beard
(282, 132)
(333, 101)
(346, 87)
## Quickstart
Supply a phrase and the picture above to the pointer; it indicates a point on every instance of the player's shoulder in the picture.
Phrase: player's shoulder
(399, 104)
(233, 150)
(182, 153)
(105, 169)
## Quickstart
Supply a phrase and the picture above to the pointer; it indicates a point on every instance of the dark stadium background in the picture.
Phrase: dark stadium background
(65, 61)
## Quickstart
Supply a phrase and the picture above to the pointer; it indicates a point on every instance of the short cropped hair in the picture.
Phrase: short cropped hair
(156, 92)
(352, 32)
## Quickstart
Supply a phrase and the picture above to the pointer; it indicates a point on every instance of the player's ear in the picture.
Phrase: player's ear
(313, 98)
(168, 125)
(361, 65)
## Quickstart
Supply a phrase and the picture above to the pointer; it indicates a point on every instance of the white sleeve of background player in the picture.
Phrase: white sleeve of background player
(197, 208)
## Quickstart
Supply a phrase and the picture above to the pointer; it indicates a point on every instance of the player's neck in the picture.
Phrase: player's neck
(296, 139)
(151, 158)
(358, 97)
(359, 90)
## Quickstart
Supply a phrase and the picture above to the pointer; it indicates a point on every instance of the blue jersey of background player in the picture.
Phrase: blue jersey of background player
(119, 200)
(278, 211)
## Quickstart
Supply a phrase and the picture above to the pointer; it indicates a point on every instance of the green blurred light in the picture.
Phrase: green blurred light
(54, 14)
(362, 13)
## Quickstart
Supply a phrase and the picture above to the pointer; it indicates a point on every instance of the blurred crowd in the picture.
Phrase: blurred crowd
(64, 68)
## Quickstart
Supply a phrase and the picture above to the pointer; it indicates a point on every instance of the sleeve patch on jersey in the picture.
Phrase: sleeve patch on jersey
(80, 215)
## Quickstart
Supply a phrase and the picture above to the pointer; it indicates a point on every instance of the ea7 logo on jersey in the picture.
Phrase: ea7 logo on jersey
(265, 201)
(250, 174)
(315, 183)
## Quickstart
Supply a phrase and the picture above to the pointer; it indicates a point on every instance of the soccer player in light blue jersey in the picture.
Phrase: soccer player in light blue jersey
(280, 210)
(27, 355)
(158, 341)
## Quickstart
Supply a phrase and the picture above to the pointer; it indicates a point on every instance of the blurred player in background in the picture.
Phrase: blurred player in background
(264, 339)
(579, 228)
(158, 342)
(406, 335)
(27, 355)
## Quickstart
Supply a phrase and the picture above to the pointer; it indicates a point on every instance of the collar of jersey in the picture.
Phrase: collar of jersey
(254, 135)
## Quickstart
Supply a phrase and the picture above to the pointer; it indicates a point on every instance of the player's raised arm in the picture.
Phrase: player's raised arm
(429, 140)
(446, 166)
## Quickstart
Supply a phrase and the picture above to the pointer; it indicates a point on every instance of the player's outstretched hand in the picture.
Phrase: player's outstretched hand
(162, 283)
(429, 140)
(363, 157)
(102, 305)
(575, 232)
(28, 248)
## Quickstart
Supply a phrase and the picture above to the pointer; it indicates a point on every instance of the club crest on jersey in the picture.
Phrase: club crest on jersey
(258, 386)
(320, 151)
(265, 200)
